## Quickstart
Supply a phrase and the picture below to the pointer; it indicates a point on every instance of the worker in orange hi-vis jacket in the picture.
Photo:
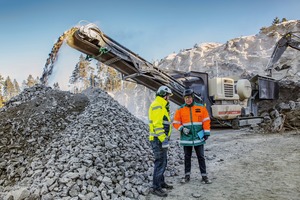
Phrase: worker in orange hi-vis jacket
(193, 122)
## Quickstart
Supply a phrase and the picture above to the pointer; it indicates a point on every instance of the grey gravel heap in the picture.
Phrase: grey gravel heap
(101, 152)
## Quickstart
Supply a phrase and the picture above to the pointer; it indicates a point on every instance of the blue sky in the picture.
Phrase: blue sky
(153, 29)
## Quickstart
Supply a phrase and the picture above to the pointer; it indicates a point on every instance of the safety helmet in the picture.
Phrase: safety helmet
(164, 91)
(188, 92)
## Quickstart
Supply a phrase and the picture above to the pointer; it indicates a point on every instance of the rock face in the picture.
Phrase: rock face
(57, 145)
(239, 57)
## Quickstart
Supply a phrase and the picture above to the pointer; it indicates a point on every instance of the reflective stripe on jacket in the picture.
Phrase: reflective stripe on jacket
(194, 117)
(159, 119)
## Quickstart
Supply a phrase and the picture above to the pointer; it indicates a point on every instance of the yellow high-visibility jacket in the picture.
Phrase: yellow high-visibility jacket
(159, 120)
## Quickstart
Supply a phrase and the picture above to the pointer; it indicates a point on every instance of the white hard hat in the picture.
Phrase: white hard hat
(164, 91)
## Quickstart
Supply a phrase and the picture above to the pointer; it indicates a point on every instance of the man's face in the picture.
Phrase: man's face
(167, 97)
(188, 100)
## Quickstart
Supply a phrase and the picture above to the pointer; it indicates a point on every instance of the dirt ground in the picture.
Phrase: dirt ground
(244, 165)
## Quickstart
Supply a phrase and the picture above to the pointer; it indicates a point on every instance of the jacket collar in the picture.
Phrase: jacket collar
(161, 100)
(190, 104)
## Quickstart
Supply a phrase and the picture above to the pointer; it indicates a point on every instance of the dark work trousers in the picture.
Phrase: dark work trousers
(160, 163)
(188, 156)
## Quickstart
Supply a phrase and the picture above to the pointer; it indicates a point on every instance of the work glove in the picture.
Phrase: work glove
(186, 131)
(205, 137)
(165, 144)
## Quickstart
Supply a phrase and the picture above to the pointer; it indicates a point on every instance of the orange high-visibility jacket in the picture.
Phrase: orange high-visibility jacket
(195, 117)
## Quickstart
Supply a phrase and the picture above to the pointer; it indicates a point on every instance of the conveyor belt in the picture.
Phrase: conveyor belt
(104, 49)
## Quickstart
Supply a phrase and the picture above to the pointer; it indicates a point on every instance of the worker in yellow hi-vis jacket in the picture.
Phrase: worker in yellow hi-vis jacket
(160, 132)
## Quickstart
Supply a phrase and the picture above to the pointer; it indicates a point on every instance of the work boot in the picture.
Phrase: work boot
(166, 186)
(187, 178)
(206, 180)
(159, 192)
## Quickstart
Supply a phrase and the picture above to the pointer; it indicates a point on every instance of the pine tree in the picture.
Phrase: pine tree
(30, 81)
(74, 77)
(56, 86)
(24, 85)
(1, 83)
(107, 78)
(38, 80)
(114, 79)
(276, 21)
(83, 67)
(81, 70)
(284, 20)
(8, 89)
(1, 95)
(1, 101)
(81, 74)
(92, 80)
(101, 75)
(17, 87)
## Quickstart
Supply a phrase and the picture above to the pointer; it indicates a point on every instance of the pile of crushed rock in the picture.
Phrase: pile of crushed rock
(59, 145)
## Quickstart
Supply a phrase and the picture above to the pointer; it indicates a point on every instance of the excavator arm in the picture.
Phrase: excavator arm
(288, 40)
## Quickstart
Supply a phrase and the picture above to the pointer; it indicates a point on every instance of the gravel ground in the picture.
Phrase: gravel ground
(244, 165)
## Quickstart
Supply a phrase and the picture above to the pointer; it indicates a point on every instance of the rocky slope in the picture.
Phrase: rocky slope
(239, 57)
